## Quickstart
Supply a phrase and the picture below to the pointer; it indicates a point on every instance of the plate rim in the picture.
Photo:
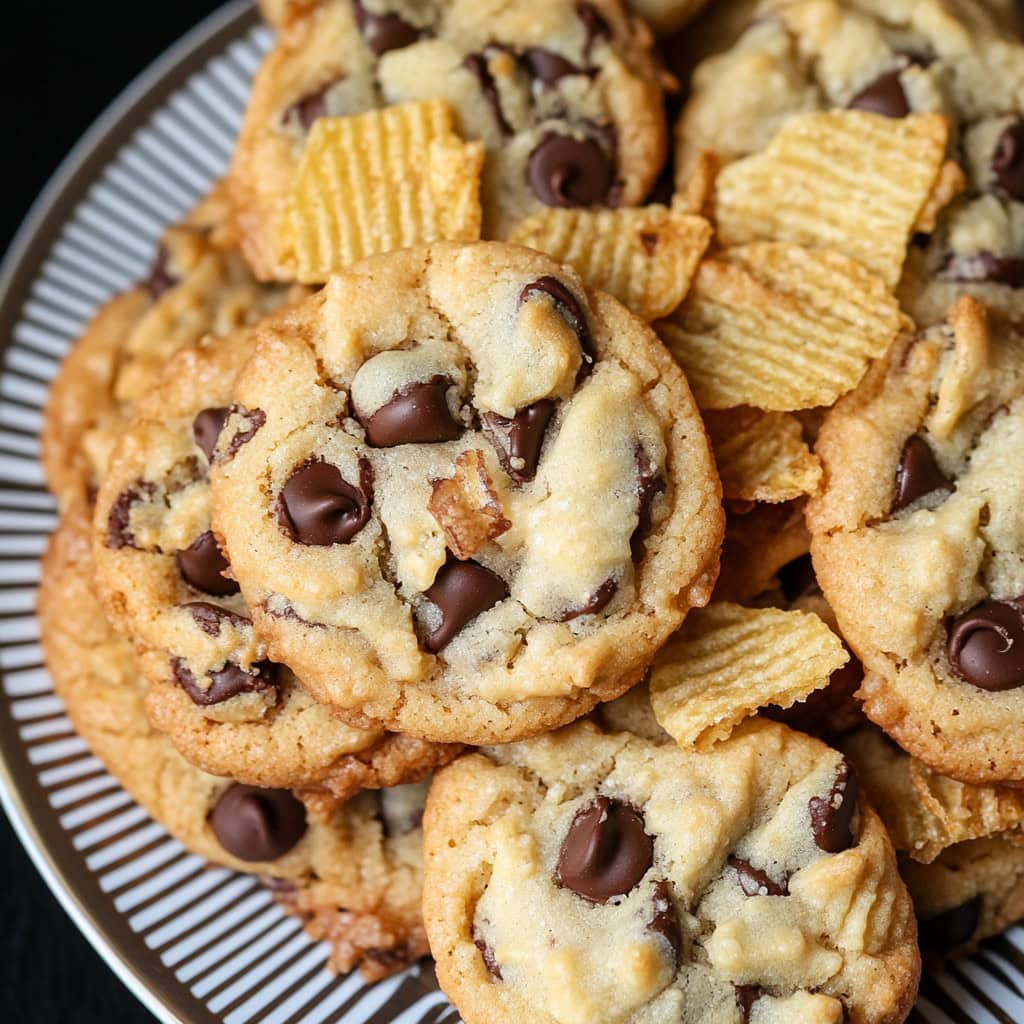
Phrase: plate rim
(49, 211)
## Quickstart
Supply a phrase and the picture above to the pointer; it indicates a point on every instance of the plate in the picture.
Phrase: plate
(194, 943)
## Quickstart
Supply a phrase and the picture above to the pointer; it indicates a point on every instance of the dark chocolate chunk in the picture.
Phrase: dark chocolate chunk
(665, 921)
(477, 65)
(985, 266)
(256, 418)
(597, 601)
(1008, 161)
(384, 32)
(202, 566)
(119, 534)
(797, 579)
(754, 882)
(986, 645)
(605, 852)
(518, 440)
(160, 278)
(206, 428)
(317, 506)
(649, 484)
(832, 816)
(492, 965)
(416, 414)
(568, 172)
(255, 824)
(210, 617)
(568, 308)
(547, 67)
(885, 94)
(461, 591)
(944, 932)
(746, 996)
(917, 474)
(225, 683)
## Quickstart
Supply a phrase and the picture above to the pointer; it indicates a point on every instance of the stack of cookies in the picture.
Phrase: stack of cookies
(535, 521)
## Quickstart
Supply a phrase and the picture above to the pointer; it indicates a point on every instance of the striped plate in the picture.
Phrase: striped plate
(194, 943)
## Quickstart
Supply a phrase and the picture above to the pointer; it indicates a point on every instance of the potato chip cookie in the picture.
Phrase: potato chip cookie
(584, 876)
(464, 498)
(565, 97)
(918, 545)
(227, 708)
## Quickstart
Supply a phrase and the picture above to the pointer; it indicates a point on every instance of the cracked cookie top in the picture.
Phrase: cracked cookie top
(565, 96)
(464, 498)
(584, 876)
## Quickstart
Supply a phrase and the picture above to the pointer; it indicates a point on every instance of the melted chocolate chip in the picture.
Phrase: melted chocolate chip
(1008, 161)
(461, 591)
(206, 428)
(649, 484)
(746, 996)
(477, 65)
(568, 172)
(568, 308)
(755, 882)
(797, 579)
(225, 683)
(665, 921)
(492, 965)
(256, 418)
(518, 440)
(942, 933)
(160, 278)
(917, 474)
(985, 266)
(598, 600)
(317, 506)
(885, 94)
(255, 824)
(202, 566)
(605, 852)
(210, 617)
(548, 67)
(832, 816)
(986, 645)
(416, 414)
(384, 32)
(119, 534)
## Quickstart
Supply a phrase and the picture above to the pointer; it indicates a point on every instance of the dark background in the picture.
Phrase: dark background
(61, 63)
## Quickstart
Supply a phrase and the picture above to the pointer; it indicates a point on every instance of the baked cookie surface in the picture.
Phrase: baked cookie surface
(584, 876)
(464, 499)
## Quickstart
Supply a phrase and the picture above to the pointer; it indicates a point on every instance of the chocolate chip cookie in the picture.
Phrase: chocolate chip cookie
(565, 96)
(586, 876)
(228, 709)
(917, 542)
(465, 499)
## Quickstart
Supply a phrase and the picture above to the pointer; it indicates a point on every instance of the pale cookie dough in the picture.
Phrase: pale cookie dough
(918, 543)
(373, 868)
(465, 499)
(565, 96)
(585, 876)
(226, 707)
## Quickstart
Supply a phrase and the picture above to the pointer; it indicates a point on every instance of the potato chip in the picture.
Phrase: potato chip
(950, 183)
(965, 372)
(779, 327)
(645, 257)
(467, 507)
(384, 180)
(762, 456)
(697, 193)
(727, 661)
(846, 180)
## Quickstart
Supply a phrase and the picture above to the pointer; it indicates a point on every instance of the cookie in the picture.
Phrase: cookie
(892, 60)
(917, 542)
(584, 876)
(227, 708)
(372, 868)
(667, 16)
(465, 499)
(565, 96)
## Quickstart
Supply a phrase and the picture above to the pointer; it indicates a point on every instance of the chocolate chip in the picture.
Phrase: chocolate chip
(568, 308)
(256, 418)
(225, 683)
(119, 534)
(384, 32)
(986, 645)
(567, 172)
(210, 617)
(832, 816)
(206, 428)
(202, 566)
(944, 932)
(755, 882)
(917, 474)
(746, 996)
(885, 94)
(518, 440)
(597, 601)
(605, 852)
(649, 484)
(985, 266)
(477, 65)
(461, 591)
(492, 965)
(255, 824)
(1008, 161)
(308, 109)
(160, 278)
(317, 506)
(665, 921)
(797, 579)
(415, 414)
(548, 67)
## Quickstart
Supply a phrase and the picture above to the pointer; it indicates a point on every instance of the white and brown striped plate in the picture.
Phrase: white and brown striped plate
(194, 943)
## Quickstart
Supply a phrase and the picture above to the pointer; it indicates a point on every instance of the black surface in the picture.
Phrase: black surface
(61, 63)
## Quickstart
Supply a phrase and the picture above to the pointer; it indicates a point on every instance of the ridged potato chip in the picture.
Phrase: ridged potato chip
(846, 180)
(727, 661)
(761, 456)
(780, 327)
(384, 180)
(645, 257)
